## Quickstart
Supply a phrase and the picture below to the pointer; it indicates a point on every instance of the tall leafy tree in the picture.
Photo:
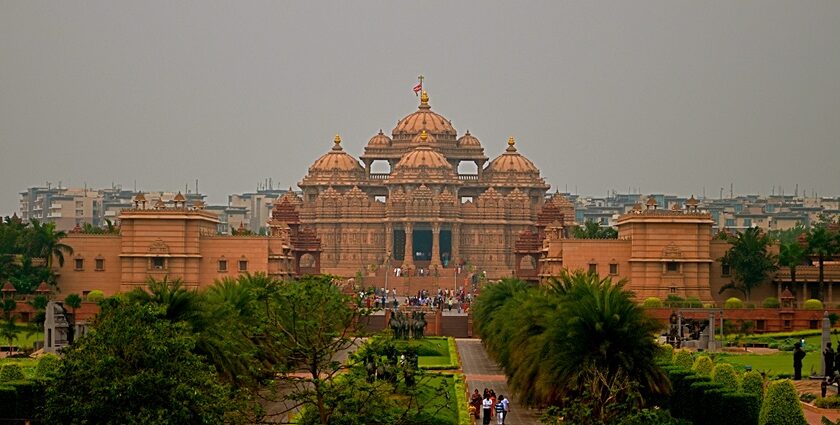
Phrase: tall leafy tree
(823, 243)
(791, 251)
(593, 230)
(45, 241)
(750, 260)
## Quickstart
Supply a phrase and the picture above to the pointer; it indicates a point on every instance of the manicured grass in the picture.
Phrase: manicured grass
(26, 335)
(773, 364)
(28, 365)
(432, 351)
(431, 399)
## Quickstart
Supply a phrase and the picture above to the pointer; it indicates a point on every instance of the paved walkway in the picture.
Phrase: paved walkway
(481, 372)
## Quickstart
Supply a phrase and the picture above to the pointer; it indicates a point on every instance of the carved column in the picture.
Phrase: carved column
(389, 240)
(435, 245)
(409, 245)
(455, 255)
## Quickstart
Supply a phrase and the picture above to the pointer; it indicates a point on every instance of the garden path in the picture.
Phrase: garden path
(481, 372)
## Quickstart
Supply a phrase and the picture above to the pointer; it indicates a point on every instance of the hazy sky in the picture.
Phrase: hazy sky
(666, 96)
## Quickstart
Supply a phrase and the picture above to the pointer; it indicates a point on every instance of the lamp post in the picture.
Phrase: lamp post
(387, 266)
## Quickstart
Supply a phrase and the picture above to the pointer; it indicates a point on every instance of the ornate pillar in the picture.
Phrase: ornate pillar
(435, 245)
(779, 290)
(455, 255)
(409, 246)
(389, 240)
(830, 295)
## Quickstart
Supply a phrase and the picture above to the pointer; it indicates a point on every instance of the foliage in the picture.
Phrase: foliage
(48, 366)
(580, 341)
(831, 402)
(682, 358)
(593, 230)
(95, 296)
(703, 365)
(27, 251)
(701, 401)
(136, 359)
(771, 302)
(652, 417)
(823, 243)
(726, 375)
(733, 302)
(11, 372)
(812, 304)
(652, 302)
(753, 383)
(781, 406)
(750, 260)
(665, 354)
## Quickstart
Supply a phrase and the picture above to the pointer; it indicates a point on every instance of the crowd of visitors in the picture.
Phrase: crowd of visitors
(444, 299)
(488, 406)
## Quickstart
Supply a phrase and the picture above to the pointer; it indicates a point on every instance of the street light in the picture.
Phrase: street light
(387, 266)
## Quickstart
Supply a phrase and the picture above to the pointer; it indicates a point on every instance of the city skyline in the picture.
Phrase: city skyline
(657, 96)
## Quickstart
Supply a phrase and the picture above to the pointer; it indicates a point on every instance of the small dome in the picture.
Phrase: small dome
(336, 159)
(512, 162)
(468, 141)
(423, 156)
(380, 140)
(424, 119)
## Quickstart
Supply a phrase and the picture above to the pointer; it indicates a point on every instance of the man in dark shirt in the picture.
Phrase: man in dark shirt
(798, 355)
(828, 357)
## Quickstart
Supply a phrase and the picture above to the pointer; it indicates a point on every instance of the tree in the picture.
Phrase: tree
(593, 230)
(791, 251)
(750, 260)
(136, 367)
(313, 323)
(45, 241)
(9, 329)
(73, 301)
(822, 243)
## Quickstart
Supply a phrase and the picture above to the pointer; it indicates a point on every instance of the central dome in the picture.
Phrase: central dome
(424, 119)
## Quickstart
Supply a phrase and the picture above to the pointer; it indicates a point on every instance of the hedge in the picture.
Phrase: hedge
(664, 354)
(682, 358)
(11, 372)
(753, 383)
(652, 302)
(781, 405)
(830, 402)
(48, 366)
(703, 365)
(461, 399)
(771, 302)
(21, 400)
(702, 401)
(726, 375)
(733, 302)
(95, 296)
(812, 304)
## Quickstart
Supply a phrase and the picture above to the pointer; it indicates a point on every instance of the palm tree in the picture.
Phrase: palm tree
(822, 244)
(750, 260)
(45, 242)
(791, 251)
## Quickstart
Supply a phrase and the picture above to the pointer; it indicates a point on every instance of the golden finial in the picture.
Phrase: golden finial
(424, 97)
(337, 141)
(424, 136)
(511, 141)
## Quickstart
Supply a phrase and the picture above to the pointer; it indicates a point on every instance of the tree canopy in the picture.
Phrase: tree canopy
(750, 260)
(593, 230)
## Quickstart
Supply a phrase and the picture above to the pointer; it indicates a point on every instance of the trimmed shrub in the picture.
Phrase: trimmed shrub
(652, 302)
(739, 408)
(674, 301)
(771, 302)
(95, 296)
(48, 366)
(703, 365)
(812, 304)
(781, 405)
(682, 358)
(726, 375)
(11, 372)
(692, 302)
(652, 417)
(664, 354)
(753, 383)
(733, 302)
(831, 402)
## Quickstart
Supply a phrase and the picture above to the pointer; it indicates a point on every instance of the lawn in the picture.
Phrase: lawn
(773, 364)
(432, 351)
(432, 397)
(28, 365)
(25, 336)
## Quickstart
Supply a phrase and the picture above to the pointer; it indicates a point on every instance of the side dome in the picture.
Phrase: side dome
(424, 119)
(512, 162)
(379, 140)
(468, 141)
(334, 167)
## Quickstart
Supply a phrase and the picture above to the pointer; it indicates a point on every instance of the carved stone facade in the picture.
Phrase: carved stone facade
(422, 212)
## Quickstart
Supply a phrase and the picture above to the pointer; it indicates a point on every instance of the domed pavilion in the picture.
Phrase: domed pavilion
(434, 201)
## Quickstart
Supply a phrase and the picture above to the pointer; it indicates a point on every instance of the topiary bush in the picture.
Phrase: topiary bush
(664, 354)
(781, 405)
(48, 366)
(733, 302)
(812, 304)
(11, 372)
(726, 375)
(831, 402)
(95, 296)
(693, 302)
(652, 302)
(703, 365)
(682, 358)
(771, 302)
(753, 383)
(674, 301)
(652, 417)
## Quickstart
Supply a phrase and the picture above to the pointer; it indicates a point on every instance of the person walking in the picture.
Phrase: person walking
(828, 357)
(475, 402)
(506, 404)
(500, 411)
(486, 409)
(798, 355)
